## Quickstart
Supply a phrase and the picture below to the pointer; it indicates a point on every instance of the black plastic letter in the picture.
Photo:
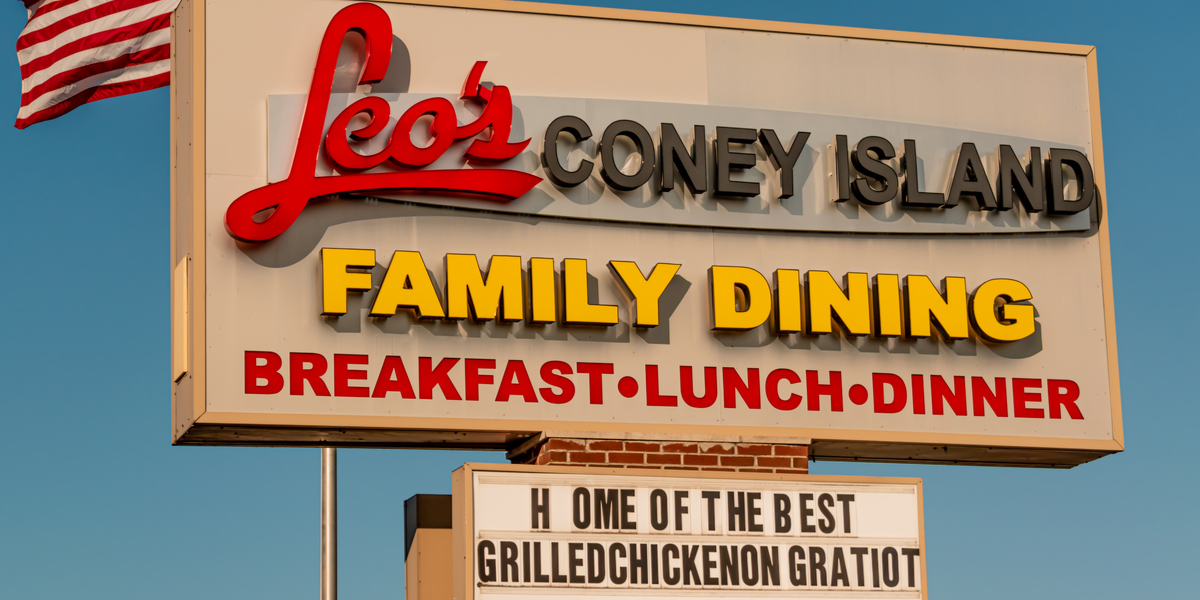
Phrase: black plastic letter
(783, 160)
(874, 168)
(1079, 165)
(911, 194)
(674, 158)
(970, 180)
(554, 169)
(608, 163)
(728, 160)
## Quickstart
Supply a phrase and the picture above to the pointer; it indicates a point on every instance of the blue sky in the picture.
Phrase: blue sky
(95, 502)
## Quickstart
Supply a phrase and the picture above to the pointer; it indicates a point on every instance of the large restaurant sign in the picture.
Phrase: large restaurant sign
(727, 227)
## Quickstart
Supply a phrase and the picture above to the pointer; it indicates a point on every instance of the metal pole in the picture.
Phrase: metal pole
(328, 523)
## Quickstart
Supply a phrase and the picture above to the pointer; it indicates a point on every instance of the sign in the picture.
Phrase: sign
(389, 236)
(563, 531)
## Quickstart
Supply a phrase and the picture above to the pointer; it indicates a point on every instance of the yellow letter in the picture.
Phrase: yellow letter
(889, 313)
(724, 283)
(926, 303)
(407, 285)
(1016, 321)
(578, 310)
(468, 295)
(787, 300)
(645, 292)
(825, 302)
(336, 282)
(544, 304)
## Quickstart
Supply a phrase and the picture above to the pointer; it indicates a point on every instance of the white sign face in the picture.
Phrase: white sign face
(710, 229)
(562, 534)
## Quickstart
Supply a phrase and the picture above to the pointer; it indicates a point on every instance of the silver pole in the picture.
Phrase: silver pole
(328, 523)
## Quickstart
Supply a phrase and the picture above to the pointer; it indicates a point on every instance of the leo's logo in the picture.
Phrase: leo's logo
(290, 196)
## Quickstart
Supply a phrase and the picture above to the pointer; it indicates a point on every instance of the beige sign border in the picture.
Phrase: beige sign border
(192, 423)
(463, 502)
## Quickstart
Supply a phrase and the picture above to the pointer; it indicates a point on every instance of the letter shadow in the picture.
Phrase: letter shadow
(667, 304)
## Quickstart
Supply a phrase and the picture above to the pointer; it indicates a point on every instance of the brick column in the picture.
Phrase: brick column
(745, 454)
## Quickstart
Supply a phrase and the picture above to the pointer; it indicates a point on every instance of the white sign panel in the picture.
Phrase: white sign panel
(426, 224)
(560, 534)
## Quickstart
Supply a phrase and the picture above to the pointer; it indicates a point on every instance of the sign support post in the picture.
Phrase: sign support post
(328, 523)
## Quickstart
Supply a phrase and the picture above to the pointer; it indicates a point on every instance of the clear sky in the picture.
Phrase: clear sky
(96, 503)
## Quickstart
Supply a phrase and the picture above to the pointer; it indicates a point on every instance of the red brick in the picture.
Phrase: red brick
(558, 444)
(792, 471)
(604, 445)
(791, 450)
(686, 448)
(775, 462)
(755, 471)
(586, 457)
(754, 449)
(700, 460)
(737, 461)
(641, 447)
(627, 458)
(682, 468)
(662, 459)
(557, 456)
(800, 463)
(716, 448)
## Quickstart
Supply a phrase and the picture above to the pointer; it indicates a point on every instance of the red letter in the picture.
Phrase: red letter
(269, 370)
(1020, 397)
(343, 374)
(652, 396)
(393, 378)
(833, 389)
(515, 381)
(430, 378)
(956, 399)
(689, 393)
(748, 390)
(998, 400)
(298, 372)
(773, 379)
(918, 395)
(1064, 393)
(899, 393)
(552, 373)
(474, 378)
(595, 373)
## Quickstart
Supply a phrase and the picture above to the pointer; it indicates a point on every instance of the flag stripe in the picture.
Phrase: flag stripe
(100, 92)
(92, 14)
(62, 94)
(72, 52)
(65, 78)
(105, 46)
(113, 21)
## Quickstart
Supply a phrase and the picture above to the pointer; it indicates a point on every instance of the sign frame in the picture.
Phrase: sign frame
(462, 499)
(194, 424)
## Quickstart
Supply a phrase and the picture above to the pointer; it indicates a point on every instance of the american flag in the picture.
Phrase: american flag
(77, 51)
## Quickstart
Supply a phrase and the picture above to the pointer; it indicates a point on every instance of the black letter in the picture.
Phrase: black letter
(727, 160)
(680, 509)
(606, 509)
(658, 510)
(627, 510)
(574, 561)
(581, 511)
(911, 554)
(910, 193)
(873, 168)
(1025, 181)
(796, 560)
(783, 160)
(690, 573)
(729, 565)
(845, 499)
(539, 508)
(1082, 169)
(970, 180)
(595, 563)
(752, 509)
(554, 574)
(839, 568)
(712, 508)
(737, 510)
(826, 522)
(670, 575)
(487, 566)
(805, 513)
(617, 577)
(707, 563)
(538, 575)
(816, 563)
(891, 567)
(608, 162)
(555, 169)
(508, 562)
(859, 553)
(674, 158)
(783, 517)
